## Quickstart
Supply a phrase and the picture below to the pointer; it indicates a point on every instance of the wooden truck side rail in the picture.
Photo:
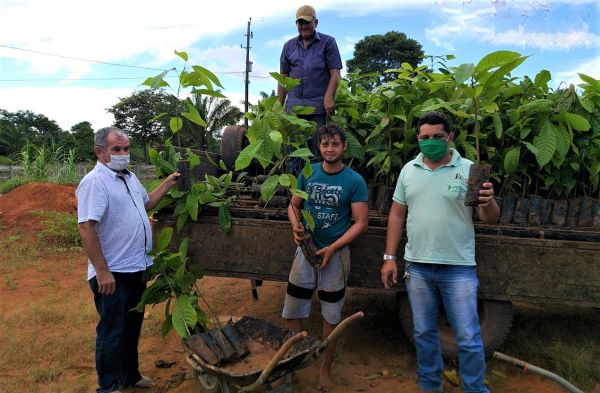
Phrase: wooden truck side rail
(510, 269)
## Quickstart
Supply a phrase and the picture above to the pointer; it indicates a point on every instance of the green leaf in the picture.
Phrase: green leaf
(287, 82)
(300, 193)
(590, 80)
(183, 247)
(194, 159)
(157, 81)
(191, 202)
(303, 110)
(164, 238)
(511, 159)
(307, 171)
(545, 144)
(542, 79)
(284, 180)
(576, 121)
(166, 326)
(183, 55)
(308, 218)
(193, 115)
(180, 273)
(181, 219)
(267, 189)
(224, 218)
(245, 157)
(208, 92)
(463, 72)
(490, 107)
(276, 136)
(303, 152)
(494, 59)
(497, 125)
(175, 124)
(207, 73)
(540, 105)
(183, 316)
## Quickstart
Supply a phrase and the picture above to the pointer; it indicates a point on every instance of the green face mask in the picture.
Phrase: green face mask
(434, 149)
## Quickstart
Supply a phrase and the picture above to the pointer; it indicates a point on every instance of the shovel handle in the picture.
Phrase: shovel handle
(338, 330)
(273, 362)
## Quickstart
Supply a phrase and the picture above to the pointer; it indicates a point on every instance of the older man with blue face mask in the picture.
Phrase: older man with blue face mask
(117, 238)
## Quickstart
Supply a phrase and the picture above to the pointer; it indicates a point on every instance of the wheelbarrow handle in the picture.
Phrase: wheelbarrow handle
(273, 362)
(337, 331)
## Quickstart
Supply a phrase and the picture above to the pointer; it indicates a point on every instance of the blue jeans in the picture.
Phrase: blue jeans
(118, 332)
(295, 164)
(456, 288)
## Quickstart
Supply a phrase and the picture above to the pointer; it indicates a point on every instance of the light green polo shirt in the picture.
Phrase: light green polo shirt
(439, 226)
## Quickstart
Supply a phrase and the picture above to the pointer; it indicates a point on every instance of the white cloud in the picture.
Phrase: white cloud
(590, 68)
(462, 24)
(65, 105)
(555, 40)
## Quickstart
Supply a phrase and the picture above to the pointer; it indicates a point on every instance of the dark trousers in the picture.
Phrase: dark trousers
(296, 164)
(118, 332)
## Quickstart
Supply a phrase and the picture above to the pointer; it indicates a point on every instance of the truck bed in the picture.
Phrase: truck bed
(516, 264)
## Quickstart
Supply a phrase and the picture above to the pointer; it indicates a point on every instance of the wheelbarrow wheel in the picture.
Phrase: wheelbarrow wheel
(206, 383)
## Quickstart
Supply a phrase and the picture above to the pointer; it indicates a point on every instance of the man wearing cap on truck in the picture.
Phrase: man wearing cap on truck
(313, 58)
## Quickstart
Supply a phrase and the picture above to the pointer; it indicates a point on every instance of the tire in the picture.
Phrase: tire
(495, 319)
(233, 141)
(205, 383)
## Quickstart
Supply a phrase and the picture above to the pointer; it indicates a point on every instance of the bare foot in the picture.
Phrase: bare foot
(325, 382)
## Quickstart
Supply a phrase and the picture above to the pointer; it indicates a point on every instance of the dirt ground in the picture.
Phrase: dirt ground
(372, 356)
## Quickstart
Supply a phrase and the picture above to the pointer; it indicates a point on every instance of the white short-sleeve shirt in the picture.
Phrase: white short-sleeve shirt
(118, 206)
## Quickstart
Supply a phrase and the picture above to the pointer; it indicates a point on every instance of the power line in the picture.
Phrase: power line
(80, 59)
(113, 78)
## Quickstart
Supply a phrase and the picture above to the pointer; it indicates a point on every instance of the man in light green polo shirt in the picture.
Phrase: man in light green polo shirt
(440, 253)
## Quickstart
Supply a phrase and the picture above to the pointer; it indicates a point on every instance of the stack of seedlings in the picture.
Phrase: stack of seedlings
(218, 347)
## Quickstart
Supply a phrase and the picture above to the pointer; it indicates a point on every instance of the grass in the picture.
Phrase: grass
(563, 340)
(9, 282)
(60, 230)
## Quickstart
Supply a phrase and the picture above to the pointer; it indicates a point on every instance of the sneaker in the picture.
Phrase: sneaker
(143, 383)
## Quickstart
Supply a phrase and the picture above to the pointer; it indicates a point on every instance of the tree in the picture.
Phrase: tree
(217, 113)
(377, 53)
(139, 115)
(83, 136)
(22, 127)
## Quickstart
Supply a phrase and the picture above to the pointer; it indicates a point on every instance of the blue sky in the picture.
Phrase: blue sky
(40, 42)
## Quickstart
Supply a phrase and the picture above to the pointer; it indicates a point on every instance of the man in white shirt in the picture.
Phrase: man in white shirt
(116, 235)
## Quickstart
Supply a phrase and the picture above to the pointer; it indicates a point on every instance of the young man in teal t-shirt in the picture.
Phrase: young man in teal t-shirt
(440, 253)
(336, 195)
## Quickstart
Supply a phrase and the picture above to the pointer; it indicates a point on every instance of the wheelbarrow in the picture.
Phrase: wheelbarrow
(293, 351)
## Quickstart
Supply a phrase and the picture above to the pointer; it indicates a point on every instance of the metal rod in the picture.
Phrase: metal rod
(537, 370)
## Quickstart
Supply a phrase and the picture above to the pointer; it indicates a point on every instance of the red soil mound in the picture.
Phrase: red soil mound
(17, 205)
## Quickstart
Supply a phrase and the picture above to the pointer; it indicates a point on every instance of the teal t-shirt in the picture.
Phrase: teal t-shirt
(439, 227)
(330, 196)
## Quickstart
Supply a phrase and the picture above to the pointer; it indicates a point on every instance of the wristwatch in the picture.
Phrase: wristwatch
(386, 257)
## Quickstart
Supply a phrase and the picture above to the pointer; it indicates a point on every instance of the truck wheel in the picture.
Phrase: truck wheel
(232, 143)
(495, 318)
(205, 383)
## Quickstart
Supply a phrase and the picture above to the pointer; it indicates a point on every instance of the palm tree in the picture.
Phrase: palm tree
(12, 139)
(217, 113)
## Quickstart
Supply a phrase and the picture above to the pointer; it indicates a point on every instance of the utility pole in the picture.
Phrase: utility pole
(248, 70)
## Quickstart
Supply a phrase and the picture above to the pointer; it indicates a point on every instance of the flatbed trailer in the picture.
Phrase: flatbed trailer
(556, 266)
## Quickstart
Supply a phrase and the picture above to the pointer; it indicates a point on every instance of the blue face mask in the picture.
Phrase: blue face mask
(118, 162)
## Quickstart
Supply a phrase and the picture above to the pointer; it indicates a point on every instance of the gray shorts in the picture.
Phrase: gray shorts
(330, 283)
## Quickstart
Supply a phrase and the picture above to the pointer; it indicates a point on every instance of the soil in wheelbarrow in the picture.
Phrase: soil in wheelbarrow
(260, 354)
